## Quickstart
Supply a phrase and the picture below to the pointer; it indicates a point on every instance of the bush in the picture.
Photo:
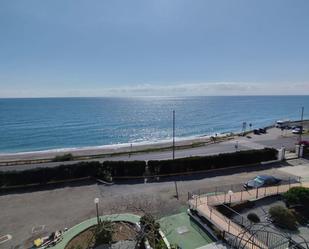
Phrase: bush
(182, 165)
(104, 233)
(150, 230)
(297, 196)
(253, 217)
(62, 172)
(63, 158)
(283, 217)
(126, 168)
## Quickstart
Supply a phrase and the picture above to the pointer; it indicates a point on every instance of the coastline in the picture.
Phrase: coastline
(107, 150)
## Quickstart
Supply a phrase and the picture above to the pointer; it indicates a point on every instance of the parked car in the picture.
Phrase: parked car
(256, 132)
(262, 130)
(297, 131)
(262, 181)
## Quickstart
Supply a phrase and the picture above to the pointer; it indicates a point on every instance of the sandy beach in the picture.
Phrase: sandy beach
(114, 149)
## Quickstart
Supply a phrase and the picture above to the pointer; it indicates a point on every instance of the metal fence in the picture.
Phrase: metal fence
(239, 230)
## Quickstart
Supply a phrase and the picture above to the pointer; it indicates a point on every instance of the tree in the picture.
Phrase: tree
(297, 196)
(104, 232)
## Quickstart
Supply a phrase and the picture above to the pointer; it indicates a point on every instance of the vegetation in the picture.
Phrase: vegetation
(283, 217)
(63, 158)
(126, 168)
(60, 173)
(253, 217)
(190, 164)
(297, 196)
(104, 233)
(120, 169)
(150, 229)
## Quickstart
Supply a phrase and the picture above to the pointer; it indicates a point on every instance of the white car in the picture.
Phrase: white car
(297, 131)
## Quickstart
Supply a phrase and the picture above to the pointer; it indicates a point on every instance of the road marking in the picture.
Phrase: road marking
(38, 229)
(5, 238)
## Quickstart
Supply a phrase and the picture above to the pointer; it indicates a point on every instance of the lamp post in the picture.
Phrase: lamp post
(230, 193)
(96, 202)
(173, 134)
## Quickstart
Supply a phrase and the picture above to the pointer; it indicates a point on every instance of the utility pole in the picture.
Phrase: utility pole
(301, 123)
(173, 134)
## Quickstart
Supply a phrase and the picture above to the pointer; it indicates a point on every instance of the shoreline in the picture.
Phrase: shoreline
(92, 152)
(107, 150)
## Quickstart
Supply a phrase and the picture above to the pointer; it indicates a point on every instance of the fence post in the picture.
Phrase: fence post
(289, 183)
(277, 189)
(224, 197)
(265, 191)
(228, 228)
(257, 193)
(267, 237)
(195, 202)
(241, 196)
(210, 213)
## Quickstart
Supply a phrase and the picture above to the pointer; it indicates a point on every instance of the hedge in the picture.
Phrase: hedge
(45, 175)
(73, 171)
(133, 168)
(126, 168)
(211, 162)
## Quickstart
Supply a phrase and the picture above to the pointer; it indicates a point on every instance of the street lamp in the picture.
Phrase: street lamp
(230, 193)
(96, 202)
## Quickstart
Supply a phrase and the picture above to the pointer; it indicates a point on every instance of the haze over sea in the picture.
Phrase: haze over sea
(57, 123)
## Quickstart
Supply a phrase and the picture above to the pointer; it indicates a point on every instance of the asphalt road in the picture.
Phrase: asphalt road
(274, 138)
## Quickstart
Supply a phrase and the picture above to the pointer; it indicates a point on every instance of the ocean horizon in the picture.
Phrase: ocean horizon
(41, 124)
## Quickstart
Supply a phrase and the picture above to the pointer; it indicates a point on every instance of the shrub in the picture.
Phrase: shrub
(150, 230)
(283, 217)
(59, 173)
(126, 168)
(104, 233)
(62, 158)
(297, 196)
(253, 217)
(211, 162)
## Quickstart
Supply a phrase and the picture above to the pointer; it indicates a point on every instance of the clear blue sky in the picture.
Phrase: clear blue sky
(158, 47)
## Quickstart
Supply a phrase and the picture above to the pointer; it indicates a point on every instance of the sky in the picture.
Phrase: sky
(58, 48)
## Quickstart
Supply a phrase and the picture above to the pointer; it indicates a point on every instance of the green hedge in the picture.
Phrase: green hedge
(79, 170)
(45, 175)
(126, 168)
(211, 162)
(133, 168)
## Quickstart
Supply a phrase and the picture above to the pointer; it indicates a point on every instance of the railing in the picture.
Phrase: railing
(205, 204)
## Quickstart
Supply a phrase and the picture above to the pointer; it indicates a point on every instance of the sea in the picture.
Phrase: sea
(42, 124)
